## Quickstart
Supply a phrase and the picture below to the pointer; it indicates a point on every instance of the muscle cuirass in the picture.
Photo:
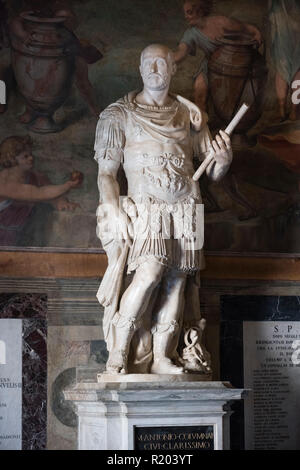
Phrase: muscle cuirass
(158, 157)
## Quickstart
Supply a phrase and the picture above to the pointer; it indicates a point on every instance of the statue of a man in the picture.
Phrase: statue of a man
(150, 289)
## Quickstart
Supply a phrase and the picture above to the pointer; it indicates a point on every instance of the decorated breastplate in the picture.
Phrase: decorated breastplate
(158, 154)
(165, 175)
(165, 171)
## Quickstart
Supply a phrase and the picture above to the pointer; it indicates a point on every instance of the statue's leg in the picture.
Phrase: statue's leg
(133, 304)
(167, 317)
(140, 354)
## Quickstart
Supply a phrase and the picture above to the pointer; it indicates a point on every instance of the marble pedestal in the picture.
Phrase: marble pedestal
(112, 414)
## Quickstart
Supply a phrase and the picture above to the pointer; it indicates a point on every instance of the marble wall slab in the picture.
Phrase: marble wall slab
(11, 384)
(34, 384)
(31, 311)
(23, 305)
(75, 336)
(236, 312)
(272, 372)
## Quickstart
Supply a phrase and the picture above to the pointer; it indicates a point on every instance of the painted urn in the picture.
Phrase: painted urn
(44, 67)
(237, 74)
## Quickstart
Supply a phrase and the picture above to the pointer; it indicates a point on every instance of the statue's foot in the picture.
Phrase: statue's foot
(193, 367)
(196, 366)
(165, 366)
(116, 363)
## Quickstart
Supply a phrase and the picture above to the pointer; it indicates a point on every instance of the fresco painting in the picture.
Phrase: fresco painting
(63, 61)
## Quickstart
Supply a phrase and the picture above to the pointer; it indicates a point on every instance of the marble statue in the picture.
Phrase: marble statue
(153, 237)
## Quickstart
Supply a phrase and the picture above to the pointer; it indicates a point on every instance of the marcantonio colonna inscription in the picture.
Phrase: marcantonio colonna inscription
(174, 438)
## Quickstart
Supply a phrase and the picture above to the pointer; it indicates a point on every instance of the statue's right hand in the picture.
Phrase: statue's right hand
(123, 226)
(113, 224)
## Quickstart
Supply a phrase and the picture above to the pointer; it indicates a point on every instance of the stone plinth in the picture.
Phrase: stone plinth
(120, 416)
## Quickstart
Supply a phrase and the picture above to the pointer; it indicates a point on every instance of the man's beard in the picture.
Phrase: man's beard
(164, 83)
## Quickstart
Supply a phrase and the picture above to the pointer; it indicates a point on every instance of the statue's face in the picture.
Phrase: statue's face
(156, 69)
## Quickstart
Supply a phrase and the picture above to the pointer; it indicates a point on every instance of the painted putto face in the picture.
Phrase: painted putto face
(191, 13)
(156, 68)
(193, 10)
(25, 159)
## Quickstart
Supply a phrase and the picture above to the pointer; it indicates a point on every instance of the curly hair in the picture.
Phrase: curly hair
(11, 147)
(203, 6)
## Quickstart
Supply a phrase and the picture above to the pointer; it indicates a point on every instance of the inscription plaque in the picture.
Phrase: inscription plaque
(174, 438)
(10, 384)
(273, 373)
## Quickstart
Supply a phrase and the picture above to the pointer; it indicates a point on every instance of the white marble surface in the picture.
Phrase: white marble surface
(272, 409)
(146, 378)
(11, 384)
(109, 412)
(157, 232)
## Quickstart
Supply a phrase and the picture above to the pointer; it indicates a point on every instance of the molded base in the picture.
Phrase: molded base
(167, 378)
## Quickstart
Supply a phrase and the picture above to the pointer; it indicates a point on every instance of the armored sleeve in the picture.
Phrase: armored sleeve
(110, 138)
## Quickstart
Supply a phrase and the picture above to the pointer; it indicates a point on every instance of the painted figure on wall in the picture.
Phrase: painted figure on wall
(204, 33)
(261, 178)
(154, 135)
(21, 188)
(284, 16)
(40, 26)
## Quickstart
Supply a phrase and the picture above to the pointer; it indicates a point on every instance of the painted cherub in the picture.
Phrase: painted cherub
(205, 32)
(21, 188)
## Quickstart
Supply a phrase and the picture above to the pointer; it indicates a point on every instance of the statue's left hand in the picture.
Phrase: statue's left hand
(221, 146)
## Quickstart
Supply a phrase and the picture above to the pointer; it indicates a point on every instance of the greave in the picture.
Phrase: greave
(164, 336)
(118, 357)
